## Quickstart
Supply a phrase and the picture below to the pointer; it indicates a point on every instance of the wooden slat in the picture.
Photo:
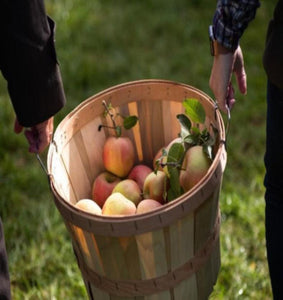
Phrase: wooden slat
(60, 178)
(205, 217)
(133, 111)
(97, 294)
(94, 141)
(171, 127)
(153, 260)
(119, 257)
(182, 250)
(77, 175)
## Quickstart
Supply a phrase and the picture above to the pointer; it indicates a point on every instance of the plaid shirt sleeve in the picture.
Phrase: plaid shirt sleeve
(231, 19)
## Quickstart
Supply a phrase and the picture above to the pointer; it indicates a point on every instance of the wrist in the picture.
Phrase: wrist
(215, 47)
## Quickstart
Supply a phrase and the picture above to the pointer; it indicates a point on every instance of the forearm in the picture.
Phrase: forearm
(28, 61)
(230, 20)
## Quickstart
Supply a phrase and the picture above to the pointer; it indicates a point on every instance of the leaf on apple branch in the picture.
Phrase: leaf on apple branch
(128, 121)
(174, 164)
(160, 161)
(191, 135)
(194, 110)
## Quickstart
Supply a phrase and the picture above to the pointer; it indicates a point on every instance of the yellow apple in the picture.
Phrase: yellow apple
(118, 205)
(89, 205)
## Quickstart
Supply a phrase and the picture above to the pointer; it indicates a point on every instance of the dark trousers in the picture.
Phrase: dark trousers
(274, 188)
(5, 293)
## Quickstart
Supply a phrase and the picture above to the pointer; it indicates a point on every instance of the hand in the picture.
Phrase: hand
(38, 136)
(224, 65)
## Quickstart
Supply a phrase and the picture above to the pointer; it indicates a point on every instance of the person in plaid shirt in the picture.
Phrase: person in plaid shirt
(230, 20)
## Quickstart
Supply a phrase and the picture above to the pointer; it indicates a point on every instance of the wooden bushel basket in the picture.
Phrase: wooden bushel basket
(172, 252)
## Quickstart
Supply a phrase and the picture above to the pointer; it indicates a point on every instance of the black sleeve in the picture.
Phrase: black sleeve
(28, 61)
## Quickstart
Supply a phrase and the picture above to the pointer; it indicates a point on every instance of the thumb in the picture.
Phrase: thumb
(17, 126)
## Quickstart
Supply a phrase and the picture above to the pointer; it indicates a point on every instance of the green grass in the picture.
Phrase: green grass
(104, 43)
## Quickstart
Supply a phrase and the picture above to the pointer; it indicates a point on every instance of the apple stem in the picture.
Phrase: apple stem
(111, 115)
(106, 126)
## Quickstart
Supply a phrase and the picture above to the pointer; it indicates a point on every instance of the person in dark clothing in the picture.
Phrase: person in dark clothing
(28, 63)
(230, 20)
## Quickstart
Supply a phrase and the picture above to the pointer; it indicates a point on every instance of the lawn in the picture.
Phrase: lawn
(104, 43)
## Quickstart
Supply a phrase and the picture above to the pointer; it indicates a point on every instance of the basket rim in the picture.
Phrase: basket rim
(117, 225)
(130, 83)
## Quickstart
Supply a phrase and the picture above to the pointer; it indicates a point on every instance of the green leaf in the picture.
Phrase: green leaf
(118, 131)
(175, 153)
(185, 124)
(130, 122)
(174, 162)
(191, 140)
(194, 110)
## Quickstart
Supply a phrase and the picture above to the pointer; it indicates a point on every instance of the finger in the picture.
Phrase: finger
(17, 126)
(230, 100)
(242, 81)
(39, 139)
(32, 138)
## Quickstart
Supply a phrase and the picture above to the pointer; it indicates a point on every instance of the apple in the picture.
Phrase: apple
(89, 205)
(156, 157)
(118, 155)
(147, 205)
(163, 160)
(118, 205)
(103, 186)
(139, 173)
(195, 165)
(130, 189)
(155, 185)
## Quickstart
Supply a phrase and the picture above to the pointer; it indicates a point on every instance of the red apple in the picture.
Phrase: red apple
(155, 185)
(139, 173)
(103, 186)
(118, 205)
(118, 155)
(130, 189)
(147, 205)
(195, 165)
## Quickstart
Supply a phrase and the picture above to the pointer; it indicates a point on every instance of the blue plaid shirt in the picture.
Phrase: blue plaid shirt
(231, 19)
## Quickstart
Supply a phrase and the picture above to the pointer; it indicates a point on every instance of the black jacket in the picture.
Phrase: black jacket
(28, 60)
(273, 54)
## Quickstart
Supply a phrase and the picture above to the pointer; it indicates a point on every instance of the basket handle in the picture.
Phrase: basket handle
(227, 127)
(43, 167)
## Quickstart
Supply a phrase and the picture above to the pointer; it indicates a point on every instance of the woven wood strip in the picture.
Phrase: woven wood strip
(133, 288)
